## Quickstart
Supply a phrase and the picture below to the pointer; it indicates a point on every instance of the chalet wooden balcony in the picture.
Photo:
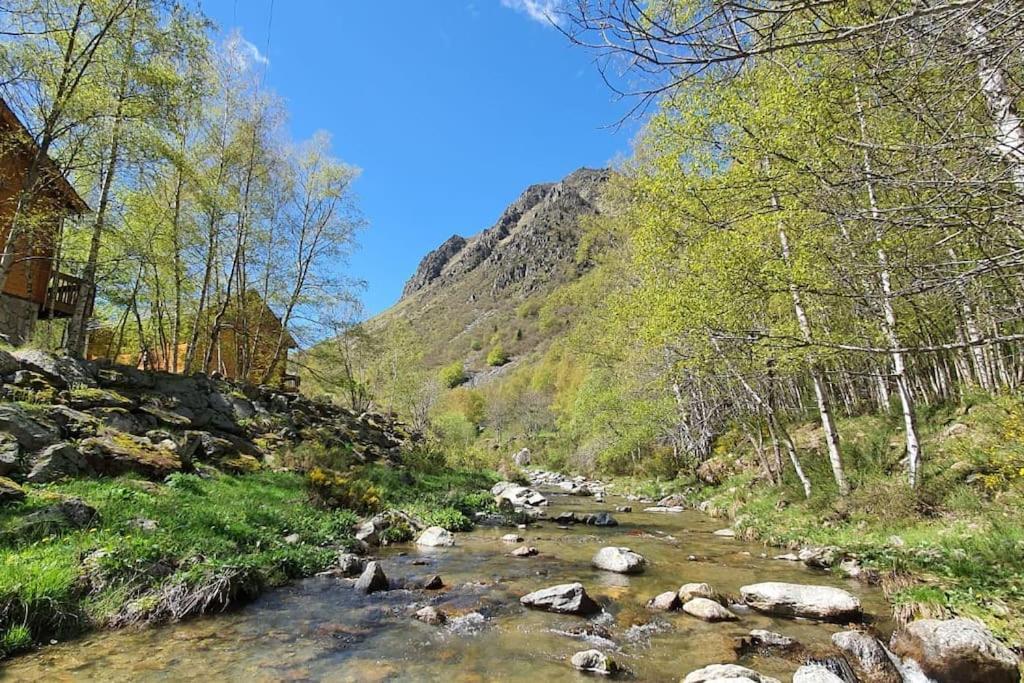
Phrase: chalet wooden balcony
(62, 296)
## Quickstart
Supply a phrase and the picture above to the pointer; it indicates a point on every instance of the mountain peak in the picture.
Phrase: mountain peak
(534, 236)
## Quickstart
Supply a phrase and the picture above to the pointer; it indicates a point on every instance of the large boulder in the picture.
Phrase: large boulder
(372, 579)
(61, 371)
(708, 610)
(566, 598)
(733, 673)
(956, 650)
(594, 661)
(868, 654)
(436, 536)
(798, 600)
(31, 431)
(56, 462)
(620, 560)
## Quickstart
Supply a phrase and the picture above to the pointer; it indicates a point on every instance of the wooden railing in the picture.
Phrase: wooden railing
(63, 294)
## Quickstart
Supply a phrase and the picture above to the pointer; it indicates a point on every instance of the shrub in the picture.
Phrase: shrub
(497, 356)
(476, 345)
(335, 490)
(453, 375)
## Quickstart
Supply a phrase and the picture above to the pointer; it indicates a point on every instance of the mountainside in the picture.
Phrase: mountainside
(468, 295)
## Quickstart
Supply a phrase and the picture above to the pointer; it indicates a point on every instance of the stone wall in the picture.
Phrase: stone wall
(17, 319)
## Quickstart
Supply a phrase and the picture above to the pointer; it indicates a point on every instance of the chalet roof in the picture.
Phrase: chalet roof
(58, 184)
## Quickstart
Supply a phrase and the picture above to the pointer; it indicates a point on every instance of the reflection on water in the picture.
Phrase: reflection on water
(321, 630)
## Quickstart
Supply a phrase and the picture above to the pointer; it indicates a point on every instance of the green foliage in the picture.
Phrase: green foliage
(452, 375)
(476, 345)
(497, 356)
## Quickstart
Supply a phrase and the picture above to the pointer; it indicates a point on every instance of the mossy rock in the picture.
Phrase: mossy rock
(241, 464)
(10, 492)
(117, 453)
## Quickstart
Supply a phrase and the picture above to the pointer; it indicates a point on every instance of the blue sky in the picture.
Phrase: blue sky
(450, 108)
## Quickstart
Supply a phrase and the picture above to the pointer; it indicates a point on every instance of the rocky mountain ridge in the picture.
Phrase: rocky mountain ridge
(535, 235)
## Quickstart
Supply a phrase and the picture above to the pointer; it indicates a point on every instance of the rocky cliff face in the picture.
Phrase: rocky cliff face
(533, 239)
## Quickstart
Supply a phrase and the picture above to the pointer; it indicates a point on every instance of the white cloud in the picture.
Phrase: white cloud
(543, 11)
(243, 54)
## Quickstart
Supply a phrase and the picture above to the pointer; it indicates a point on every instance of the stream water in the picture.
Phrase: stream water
(321, 629)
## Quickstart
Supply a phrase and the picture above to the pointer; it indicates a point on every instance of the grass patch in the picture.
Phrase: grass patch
(216, 541)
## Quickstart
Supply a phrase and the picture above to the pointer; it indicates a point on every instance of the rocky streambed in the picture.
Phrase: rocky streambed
(529, 604)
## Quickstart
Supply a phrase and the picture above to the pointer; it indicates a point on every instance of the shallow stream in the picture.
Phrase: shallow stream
(321, 629)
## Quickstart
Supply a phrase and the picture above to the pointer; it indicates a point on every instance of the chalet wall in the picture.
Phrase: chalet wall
(17, 319)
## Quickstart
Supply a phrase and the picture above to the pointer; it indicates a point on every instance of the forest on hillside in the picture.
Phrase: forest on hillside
(821, 217)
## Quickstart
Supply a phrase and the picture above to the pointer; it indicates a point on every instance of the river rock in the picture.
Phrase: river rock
(594, 661)
(565, 518)
(869, 654)
(733, 673)
(350, 564)
(525, 551)
(431, 615)
(819, 558)
(566, 598)
(812, 673)
(956, 650)
(689, 591)
(664, 602)
(708, 610)
(517, 495)
(765, 642)
(798, 600)
(372, 579)
(624, 508)
(660, 508)
(620, 560)
(436, 536)
(602, 519)
(726, 533)
(432, 583)
(511, 538)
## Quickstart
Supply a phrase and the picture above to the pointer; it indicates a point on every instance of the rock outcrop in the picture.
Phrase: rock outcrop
(532, 239)
(74, 418)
